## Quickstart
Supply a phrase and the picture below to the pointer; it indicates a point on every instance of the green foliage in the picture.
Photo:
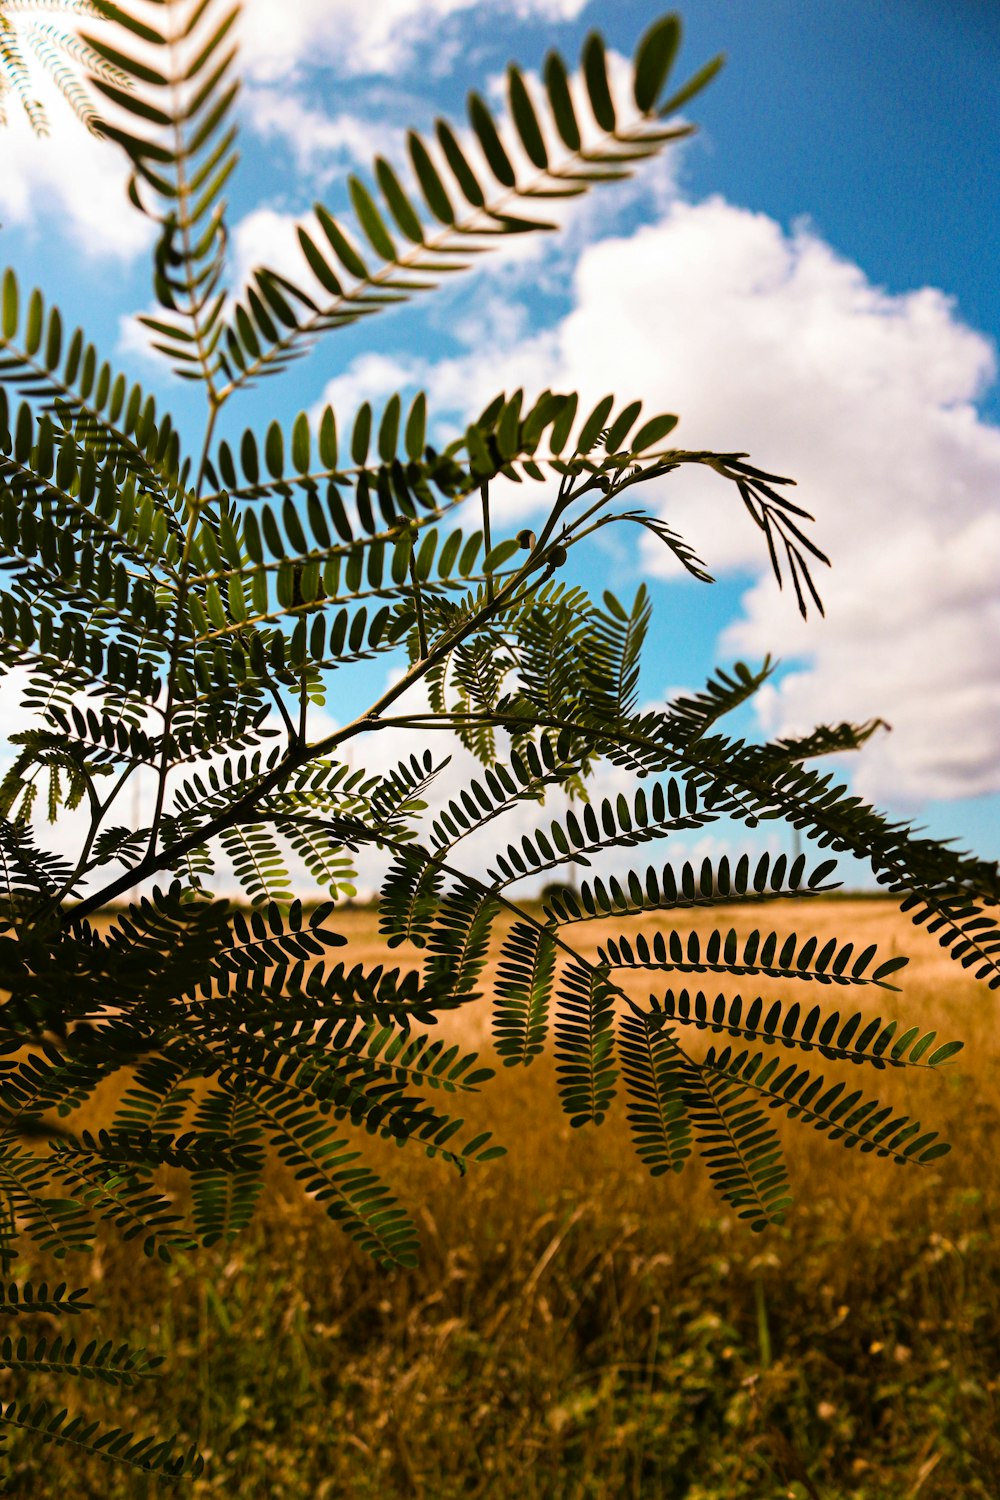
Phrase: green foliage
(24, 32)
(179, 614)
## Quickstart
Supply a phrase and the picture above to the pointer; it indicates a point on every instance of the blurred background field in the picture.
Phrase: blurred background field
(579, 1329)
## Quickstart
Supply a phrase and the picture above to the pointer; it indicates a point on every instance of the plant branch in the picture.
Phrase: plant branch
(181, 606)
(153, 863)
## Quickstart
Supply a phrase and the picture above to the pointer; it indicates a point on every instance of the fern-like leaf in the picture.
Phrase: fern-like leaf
(464, 210)
(843, 1115)
(49, 1424)
(723, 953)
(584, 1035)
(525, 976)
(738, 1144)
(657, 1115)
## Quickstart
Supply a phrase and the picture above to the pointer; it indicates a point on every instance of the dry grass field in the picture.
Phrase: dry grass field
(577, 1329)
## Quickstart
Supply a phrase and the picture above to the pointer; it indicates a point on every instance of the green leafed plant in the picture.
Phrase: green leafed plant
(179, 612)
(36, 29)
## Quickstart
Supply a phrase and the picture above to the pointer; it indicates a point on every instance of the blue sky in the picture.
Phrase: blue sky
(875, 120)
(812, 278)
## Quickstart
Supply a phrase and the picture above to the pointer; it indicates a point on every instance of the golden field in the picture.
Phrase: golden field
(578, 1329)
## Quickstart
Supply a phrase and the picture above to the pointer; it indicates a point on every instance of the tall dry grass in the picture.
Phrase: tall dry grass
(577, 1329)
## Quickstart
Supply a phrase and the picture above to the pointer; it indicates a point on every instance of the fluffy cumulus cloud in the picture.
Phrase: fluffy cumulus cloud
(72, 178)
(377, 37)
(321, 143)
(769, 342)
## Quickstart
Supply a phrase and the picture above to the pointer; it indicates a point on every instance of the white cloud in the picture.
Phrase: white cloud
(266, 237)
(769, 342)
(371, 377)
(377, 37)
(71, 178)
(320, 143)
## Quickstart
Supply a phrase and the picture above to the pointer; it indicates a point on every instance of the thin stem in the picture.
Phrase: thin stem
(183, 202)
(293, 736)
(175, 644)
(418, 601)
(484, 494)
(303, 710)
(98, 811)
(183, 194)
